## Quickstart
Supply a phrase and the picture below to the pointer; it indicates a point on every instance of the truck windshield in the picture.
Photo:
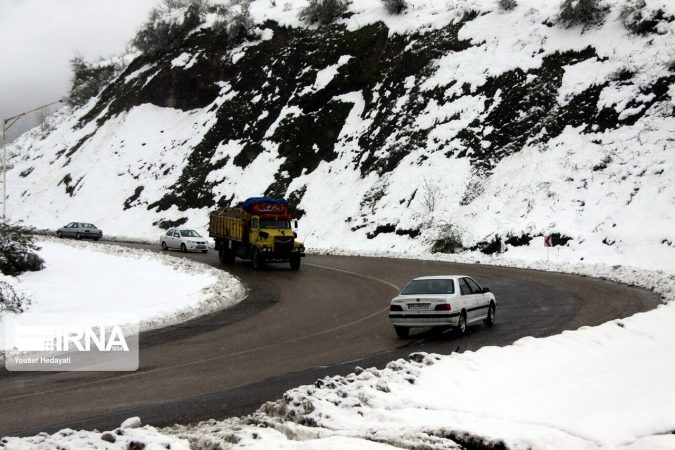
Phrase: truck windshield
(432, 286)
(283, 224)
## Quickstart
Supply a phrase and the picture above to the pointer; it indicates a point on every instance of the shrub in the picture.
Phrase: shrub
(579, 12)
(507, 4)
(234, 21)
(88, 79)
(169, 22)
(447, 239)
(638, 19)
(395, 6)
(17, 251)
(324, 11)
(10, 300)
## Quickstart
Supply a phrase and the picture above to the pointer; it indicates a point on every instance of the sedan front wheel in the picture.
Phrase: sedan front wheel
(492, 310)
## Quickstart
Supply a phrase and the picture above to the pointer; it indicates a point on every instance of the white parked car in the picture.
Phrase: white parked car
(184, 240)
(442, 301)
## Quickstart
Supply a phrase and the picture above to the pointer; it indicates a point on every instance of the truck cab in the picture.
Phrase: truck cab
(260, 230)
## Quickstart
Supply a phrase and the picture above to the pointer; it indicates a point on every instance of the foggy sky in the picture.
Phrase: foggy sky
(38, 37)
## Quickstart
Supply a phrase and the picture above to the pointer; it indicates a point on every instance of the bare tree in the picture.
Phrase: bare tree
(431, 194)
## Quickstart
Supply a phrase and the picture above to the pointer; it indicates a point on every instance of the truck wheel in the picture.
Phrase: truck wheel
(258, 259)
(225, 255)
(295, 262)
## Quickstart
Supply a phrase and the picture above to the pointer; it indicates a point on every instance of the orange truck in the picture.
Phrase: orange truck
(260, 230)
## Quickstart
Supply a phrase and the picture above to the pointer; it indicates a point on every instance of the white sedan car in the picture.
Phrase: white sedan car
(442, 301)
(184, 240)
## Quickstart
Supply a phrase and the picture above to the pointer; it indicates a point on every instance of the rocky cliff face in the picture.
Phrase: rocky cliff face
(378, 128)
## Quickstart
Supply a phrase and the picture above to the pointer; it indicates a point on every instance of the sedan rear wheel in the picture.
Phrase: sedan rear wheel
(164, 247)
(59, 234)
(402, 332)
(461, 325)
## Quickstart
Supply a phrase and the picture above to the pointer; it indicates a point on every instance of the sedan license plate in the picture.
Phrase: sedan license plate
(418, 305)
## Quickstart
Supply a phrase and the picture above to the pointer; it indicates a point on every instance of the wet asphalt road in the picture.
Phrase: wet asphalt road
(293, 328)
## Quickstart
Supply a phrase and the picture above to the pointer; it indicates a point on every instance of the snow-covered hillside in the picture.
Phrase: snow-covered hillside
(513, 125)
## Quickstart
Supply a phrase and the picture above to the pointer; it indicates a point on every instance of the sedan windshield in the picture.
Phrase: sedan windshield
(432, 286)
(189, 233)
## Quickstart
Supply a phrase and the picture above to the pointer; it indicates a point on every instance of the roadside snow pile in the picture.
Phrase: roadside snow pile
(128, 436)
(160, 290)
(602, 387)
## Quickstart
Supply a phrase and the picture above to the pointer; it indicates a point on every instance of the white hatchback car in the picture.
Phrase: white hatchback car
(184, 240)
(442, 301)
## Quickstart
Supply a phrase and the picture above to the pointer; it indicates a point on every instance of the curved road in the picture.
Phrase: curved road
(293, 328)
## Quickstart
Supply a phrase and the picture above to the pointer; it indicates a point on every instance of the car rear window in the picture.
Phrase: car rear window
(433, 286)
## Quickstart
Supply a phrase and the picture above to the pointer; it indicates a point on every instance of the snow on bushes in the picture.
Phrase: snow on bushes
(580, 12)
(17, 255)
(324, 11)
(395, 6)
(18, 251)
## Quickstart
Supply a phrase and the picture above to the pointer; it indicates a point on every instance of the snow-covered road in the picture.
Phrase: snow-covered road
(597, 387)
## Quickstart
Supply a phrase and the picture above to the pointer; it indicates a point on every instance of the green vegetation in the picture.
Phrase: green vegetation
(447, 239)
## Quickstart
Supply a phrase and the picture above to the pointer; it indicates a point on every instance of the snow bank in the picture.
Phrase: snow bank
(160, 290)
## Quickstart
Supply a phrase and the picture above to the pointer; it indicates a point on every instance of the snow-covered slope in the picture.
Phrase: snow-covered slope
(514, 126)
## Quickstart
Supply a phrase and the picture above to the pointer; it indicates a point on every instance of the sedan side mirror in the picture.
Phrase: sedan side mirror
(486, 290)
